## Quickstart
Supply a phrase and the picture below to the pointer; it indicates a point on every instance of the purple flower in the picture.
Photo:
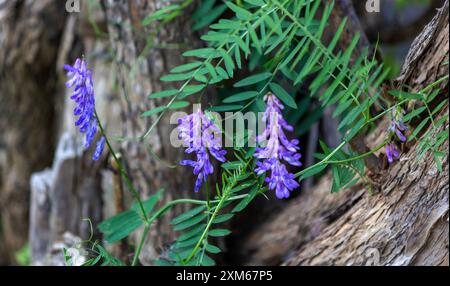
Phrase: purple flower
(391, 152)
(278, 149)
(201, 136)
(396, 129)
(83, 96)
(99, 148)
(397, 126)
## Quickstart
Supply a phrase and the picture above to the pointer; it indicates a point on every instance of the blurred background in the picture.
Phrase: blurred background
(48, 183)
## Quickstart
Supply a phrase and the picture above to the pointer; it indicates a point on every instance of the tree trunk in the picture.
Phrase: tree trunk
(142, 63)
(405, 223)
(30, 32)
(74, 189)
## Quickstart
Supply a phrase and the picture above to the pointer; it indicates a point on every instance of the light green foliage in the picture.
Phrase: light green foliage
(123, 224)
(199, 225)
(23, 255)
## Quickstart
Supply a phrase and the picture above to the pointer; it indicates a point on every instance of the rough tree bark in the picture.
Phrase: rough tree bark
(29, 38)
(405, 223)
(147, 61)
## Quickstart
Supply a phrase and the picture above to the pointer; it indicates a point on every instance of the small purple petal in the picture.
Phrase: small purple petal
(99, 148)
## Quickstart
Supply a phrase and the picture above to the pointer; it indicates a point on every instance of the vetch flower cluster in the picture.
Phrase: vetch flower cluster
(201, 136)
(83, 96)
(277, 150)
(396, 129)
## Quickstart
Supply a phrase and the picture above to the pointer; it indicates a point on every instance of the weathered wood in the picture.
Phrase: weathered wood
(63, 198)
(406, 223)
(75, 188)
(30, 32)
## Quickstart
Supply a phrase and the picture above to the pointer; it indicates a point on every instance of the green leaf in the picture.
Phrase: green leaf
(203, 8)
(246, 201)
(214, 37)
(313, 171)
(242, 45)
(232, 165)
(283, 95)
(406, 95)
(191, 89)
(211, 69)
(255, 39)
(200, 53)
(229, 64)
(222, 218)
(222, 72)
(176, 77)
(355, 129)
(191, 232)
(241, 96)
(253, 79)
(189, 242)
(242, 186)
(219, 232)
(414, 113)
(226, 24)
(163, 93)
(179, 104)
(418, 129)
(207, 261)
(153, 111)
(240, 12)
(439, 107)
(438, 162)
(186, 67)
(159, 14)
(120, 226)
(190, 222)
(209, 17)
(213, 249)
(148, 204)
(187, 215)
(255, 2)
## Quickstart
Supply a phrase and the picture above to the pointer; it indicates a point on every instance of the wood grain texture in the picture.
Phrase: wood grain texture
(406, 223)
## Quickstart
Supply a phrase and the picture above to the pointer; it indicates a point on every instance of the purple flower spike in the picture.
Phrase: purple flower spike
(278, 149)
(201, 136)
(83, 95)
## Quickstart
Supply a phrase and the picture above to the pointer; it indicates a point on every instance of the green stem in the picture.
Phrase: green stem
(360, 156)
(122, 171)
(205, 232)
(141, 245)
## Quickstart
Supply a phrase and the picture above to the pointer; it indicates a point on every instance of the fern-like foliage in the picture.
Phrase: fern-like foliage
(282, 43)
(291, 33)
